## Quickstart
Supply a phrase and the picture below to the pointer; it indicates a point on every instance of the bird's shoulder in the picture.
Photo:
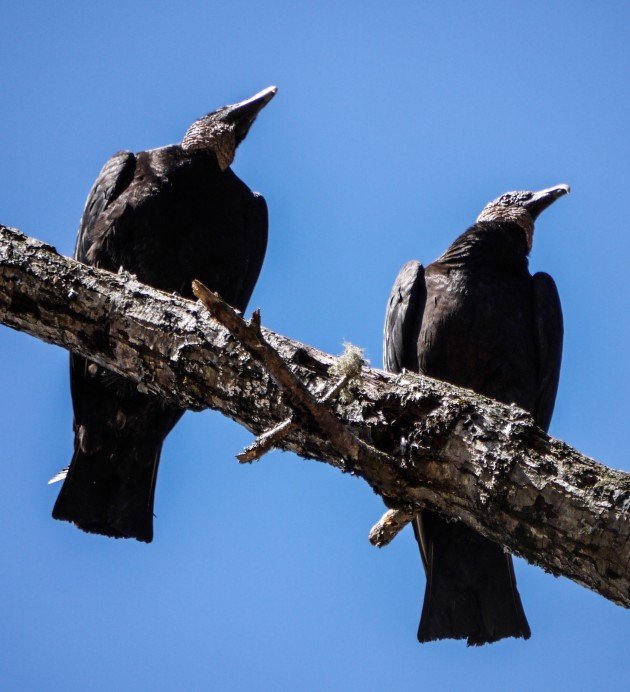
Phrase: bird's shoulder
(403, 317)
(171, 159)
(114, 178)
(500, 245)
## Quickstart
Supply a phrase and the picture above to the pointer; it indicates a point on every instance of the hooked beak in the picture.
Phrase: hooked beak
(242, 115)
(545, 198)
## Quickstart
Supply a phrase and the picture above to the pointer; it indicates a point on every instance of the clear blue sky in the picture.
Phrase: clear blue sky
(394, 124)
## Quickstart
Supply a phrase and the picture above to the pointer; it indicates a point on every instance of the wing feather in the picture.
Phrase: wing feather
(549, 336)
(403, 319)
(112, 181)
(256, 247)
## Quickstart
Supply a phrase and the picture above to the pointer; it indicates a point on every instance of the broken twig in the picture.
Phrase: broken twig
(267, 441)
(390, 525)
(305, 406)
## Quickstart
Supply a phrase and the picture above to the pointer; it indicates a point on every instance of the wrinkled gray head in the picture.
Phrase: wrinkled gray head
(522, 207)
(224, 129)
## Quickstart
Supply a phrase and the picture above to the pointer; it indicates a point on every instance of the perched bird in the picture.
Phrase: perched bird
(168, 215)
(477, 318)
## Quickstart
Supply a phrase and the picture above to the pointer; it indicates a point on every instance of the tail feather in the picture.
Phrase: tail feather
(471, 590)
(111, 493)
(60, 476)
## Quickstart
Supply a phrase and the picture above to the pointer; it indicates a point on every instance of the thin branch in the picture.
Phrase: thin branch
(271, 438)
(267, 441)
(335, 390)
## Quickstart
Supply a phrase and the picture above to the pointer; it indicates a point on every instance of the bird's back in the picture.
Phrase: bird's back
(478, 327)
(182, 218)
(477, 332)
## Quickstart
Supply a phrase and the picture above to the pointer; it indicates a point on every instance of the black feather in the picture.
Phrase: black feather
(478, 319)
(168, 216)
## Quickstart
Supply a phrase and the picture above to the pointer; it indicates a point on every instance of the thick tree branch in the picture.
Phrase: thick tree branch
(419, 442)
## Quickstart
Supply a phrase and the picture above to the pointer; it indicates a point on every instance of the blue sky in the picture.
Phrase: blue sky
(393, 125)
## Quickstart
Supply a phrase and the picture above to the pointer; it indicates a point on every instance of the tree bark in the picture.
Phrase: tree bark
(419, 442)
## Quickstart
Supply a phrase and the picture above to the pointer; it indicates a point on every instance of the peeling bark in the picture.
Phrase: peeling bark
(437, 446)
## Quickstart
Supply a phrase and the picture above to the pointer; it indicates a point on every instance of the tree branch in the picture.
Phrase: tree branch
(418, 442)
(302, 403)
(390, 525)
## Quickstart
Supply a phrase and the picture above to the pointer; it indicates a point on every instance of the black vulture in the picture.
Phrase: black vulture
(168, 215)
(477, 318)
